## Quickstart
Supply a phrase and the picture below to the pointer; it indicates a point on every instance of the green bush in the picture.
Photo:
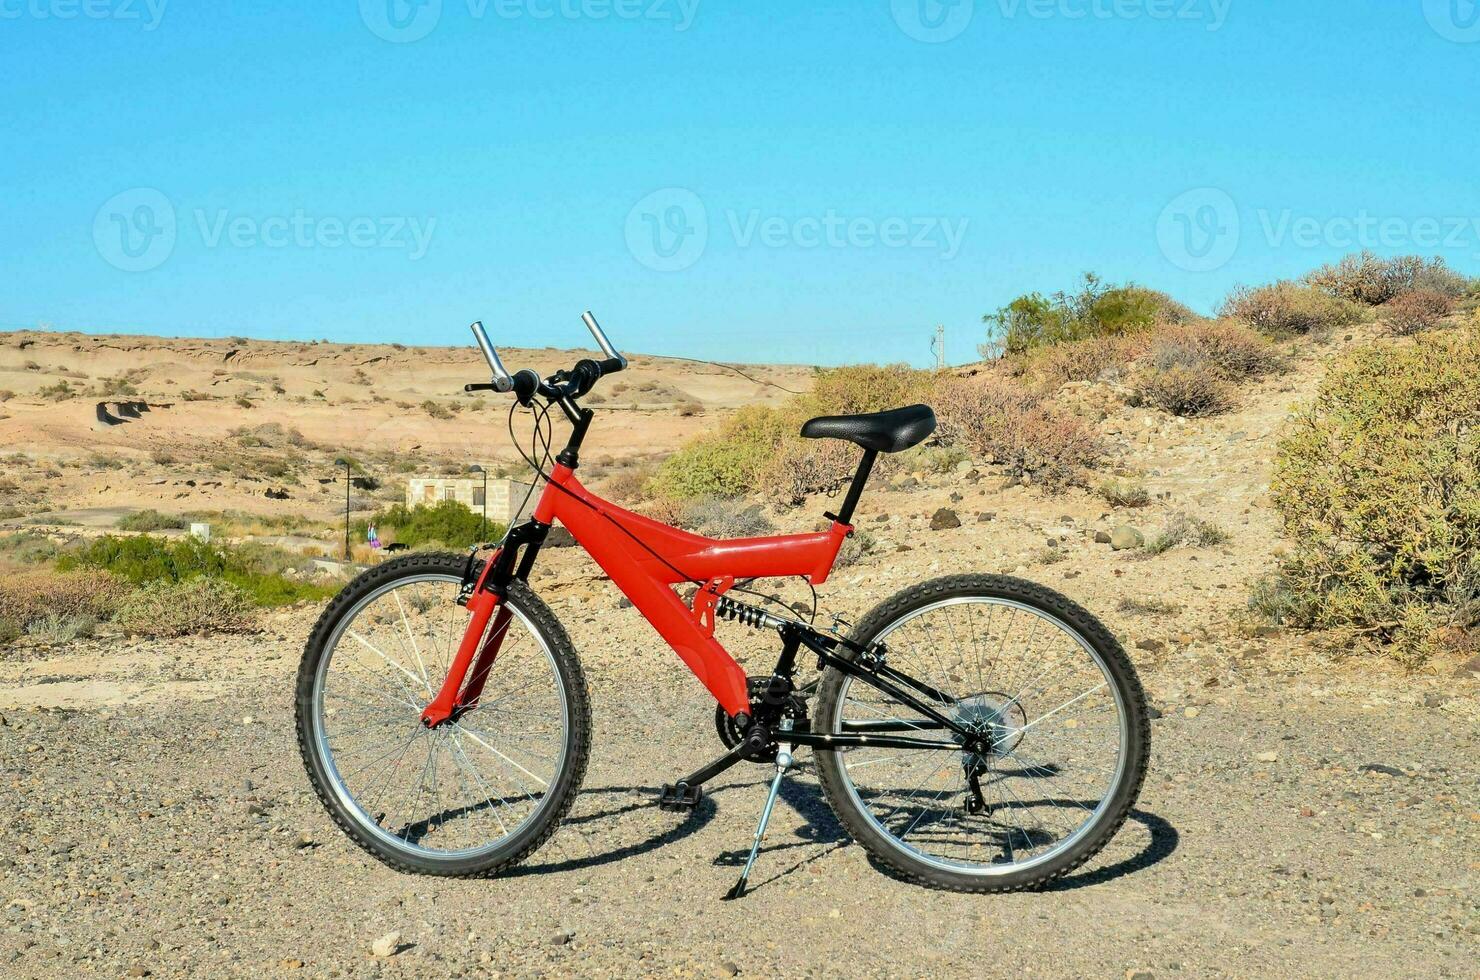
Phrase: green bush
(448, 524)
(188, 607)
(1288, 309)
(1096, 310)
(257, 570)
(150, 520)
(1378, 482)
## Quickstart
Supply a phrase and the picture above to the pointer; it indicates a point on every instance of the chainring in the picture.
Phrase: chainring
(795, 709)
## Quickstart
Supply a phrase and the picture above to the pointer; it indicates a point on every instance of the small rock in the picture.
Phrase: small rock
(956, 498)
(1471, 666)
(1379, 768)
(1153, 712)
(985, 516)
(1267, 756)
(1125, 537)
(731, 968)
(1190, 712)
(387, 945)
(138, 970)
(1151, 646)
(944, 520)
(1102, 537)
(882, 519)
(562, 938)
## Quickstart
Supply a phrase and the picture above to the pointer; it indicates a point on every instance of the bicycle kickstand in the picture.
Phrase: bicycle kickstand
(783, 763)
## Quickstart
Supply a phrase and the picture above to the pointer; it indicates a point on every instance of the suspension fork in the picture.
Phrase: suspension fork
(484, 600)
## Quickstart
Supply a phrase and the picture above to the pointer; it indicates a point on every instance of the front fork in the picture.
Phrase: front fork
(483, 596)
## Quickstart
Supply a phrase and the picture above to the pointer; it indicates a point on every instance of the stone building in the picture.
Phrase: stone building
(503, 494)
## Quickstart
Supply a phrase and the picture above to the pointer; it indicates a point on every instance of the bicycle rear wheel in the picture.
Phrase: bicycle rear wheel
(1058, 702)
(472, 796)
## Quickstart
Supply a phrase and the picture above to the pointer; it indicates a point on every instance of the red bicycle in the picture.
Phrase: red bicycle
(976, 732)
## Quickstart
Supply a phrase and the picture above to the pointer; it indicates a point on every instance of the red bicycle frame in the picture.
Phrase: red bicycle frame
(645, 558)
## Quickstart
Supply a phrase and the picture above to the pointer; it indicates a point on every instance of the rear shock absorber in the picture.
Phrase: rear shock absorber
(747, 615)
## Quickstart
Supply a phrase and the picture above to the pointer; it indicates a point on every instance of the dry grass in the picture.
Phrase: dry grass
(28, 596)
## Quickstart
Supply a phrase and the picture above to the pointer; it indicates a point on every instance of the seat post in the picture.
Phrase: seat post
(855, 489)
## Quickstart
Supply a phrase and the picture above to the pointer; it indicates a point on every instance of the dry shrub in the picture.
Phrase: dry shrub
(1080, 360)
(188, 607)
(864, 388)
(1236, 351)
(1364, 278)
(1184, 530)
(800, 468)
(1378, 482)
(57, 628)
(27, 597)
(1287, 309)
(1124, 493)
(1416, 311)
(628, 485)
(721, 518)
(999, 418)
(1188, 390)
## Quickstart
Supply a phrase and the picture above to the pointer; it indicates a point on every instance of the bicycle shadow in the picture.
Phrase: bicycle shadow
(820, 834)
(689, 822)
(822, 827)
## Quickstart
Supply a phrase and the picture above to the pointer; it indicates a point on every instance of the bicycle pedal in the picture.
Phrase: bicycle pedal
(680, 797)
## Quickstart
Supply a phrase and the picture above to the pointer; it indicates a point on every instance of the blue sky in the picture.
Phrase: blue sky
(817, 182)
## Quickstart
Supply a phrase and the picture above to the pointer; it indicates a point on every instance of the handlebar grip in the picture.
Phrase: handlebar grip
(612, 356)
(501, 379)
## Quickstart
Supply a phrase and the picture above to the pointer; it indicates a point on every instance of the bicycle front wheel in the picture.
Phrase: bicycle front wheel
(1055, 701)
(469, 797)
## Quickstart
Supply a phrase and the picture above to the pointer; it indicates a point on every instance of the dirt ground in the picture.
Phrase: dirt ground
(158, 819)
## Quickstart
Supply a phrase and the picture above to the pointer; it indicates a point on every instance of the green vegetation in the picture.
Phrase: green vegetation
(255, 569)
(1095, 310)
(150, 520)
(1378, 482)
(449, 524)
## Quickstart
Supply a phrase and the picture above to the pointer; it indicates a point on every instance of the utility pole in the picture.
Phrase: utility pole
(938, 347)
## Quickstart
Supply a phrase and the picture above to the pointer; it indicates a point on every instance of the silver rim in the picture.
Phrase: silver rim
(461, 790)
(1057, 717)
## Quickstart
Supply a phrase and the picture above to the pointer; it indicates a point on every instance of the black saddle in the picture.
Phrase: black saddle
(882, 432)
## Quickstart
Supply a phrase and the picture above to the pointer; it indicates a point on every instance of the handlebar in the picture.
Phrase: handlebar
(560, 385)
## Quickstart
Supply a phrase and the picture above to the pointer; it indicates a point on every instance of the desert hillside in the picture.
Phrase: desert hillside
(94, 426)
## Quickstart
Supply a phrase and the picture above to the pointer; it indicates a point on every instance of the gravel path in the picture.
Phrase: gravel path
(159, 837)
